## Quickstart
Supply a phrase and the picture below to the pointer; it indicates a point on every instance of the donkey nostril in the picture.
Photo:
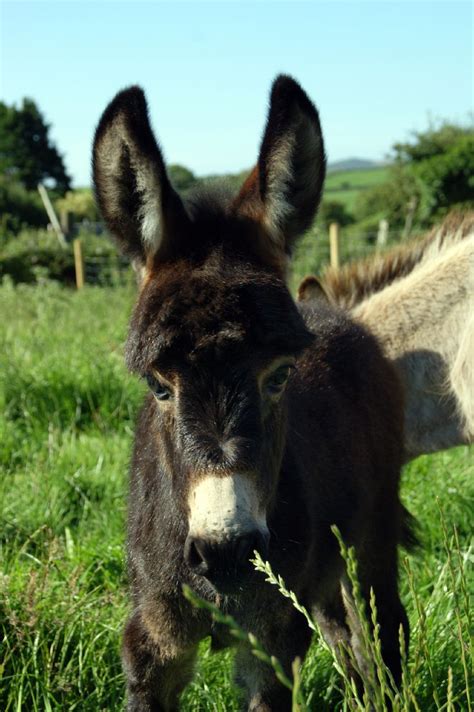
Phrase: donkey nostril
(226, 559)
(195, 554)
(245, 547)
(249, 543)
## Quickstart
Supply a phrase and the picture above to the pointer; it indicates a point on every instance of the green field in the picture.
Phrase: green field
(345, 186)
(66, 425)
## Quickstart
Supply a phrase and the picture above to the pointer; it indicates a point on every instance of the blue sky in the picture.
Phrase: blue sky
(375, 70)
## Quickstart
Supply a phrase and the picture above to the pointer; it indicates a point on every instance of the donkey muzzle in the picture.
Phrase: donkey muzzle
(226, 524)
(224, 563)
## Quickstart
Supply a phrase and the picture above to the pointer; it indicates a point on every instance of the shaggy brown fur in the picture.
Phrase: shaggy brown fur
(265, 424)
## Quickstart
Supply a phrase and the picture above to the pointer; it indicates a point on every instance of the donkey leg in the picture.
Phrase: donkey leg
(331, 617)
(378, 570)
(155, 675)
(391, 615)
(263, 691)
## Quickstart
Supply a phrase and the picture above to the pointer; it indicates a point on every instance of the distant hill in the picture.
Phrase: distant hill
(346, 179)
(353, 164)
(345, 186)
(346, 164)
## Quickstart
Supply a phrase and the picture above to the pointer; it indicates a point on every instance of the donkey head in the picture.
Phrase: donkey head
(215, 331)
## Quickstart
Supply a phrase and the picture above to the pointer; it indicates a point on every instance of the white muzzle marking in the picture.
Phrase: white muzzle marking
(225, 507)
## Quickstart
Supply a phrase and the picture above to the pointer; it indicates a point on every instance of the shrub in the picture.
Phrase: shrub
(33, 256)
(334, 211)
(19, 208)
(81, 202)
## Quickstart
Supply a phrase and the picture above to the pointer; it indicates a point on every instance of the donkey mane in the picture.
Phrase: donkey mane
(351, 284)
(210, 198)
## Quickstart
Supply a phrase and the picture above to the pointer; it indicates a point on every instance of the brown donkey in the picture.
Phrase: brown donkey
(265, 423)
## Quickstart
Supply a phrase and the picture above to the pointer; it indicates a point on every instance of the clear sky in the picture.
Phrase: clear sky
(375, 70)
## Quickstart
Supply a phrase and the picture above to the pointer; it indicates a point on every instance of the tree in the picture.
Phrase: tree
(392, 198)
(449, 177)
(81, 202)
(334, 211)
(27, 153)
(181, 177)
(441, 159)
(430, 176)
(435, 141)
(18, 208)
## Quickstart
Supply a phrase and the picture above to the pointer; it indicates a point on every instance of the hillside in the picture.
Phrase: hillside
(344, 186)
(341, 185)
(352, 164)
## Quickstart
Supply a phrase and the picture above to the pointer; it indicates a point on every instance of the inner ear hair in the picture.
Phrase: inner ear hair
(284, 189)
(132, 188)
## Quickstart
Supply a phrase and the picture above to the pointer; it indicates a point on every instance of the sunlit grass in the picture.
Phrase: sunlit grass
(66, 426)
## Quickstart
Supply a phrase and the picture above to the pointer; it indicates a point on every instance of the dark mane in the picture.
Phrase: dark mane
(210, 198)
(353, 283)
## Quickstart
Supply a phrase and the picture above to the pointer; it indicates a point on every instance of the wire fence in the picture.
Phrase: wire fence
(99, 263)
(107, 270)
(96, 260)
(319, 248)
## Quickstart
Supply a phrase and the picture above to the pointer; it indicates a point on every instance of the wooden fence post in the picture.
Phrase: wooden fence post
(334, 245)
(78, 263)
(51, 214)
(382, 234)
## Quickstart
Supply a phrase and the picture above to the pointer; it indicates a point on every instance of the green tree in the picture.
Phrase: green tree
(435, 141)
(334, 211)
(81, 202)
(449, 177)
(181, 177)
(431, 175)
(18, 208)
(392, 199)
(27, 153)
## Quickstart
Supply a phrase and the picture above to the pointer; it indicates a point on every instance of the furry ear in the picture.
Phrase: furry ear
(133, 191)
(284, 189)
(311, 289)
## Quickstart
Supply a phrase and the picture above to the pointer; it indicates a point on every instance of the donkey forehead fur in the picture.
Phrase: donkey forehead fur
(222, 308)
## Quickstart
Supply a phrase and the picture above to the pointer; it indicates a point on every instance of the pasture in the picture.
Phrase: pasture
(346, 186)
(66, 423)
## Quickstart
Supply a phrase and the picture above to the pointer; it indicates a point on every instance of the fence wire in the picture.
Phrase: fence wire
(312, 254)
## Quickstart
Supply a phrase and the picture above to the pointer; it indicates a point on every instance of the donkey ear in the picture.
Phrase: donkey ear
(311, 290)
(133, 191)
(284, 189)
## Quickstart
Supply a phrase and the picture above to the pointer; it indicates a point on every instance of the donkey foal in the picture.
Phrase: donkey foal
(265, 423)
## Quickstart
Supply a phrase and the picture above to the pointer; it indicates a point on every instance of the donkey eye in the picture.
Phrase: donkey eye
(158, 389)
(275, 383)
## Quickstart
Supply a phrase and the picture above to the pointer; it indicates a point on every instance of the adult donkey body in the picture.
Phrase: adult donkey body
(265, 424)
(418, 299)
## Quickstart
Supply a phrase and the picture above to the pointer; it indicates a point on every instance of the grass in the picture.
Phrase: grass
(66, 425)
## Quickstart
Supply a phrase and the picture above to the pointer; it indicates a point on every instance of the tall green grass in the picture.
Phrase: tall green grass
(67, 408)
